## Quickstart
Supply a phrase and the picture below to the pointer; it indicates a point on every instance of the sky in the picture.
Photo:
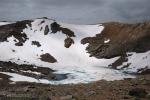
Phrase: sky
(76, 11)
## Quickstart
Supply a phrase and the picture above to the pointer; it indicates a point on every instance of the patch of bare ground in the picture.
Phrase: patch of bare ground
(127, 89)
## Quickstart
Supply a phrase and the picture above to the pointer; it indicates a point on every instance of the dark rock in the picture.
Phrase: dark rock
(13, 50)
(123, 38)
(68, 32)
(119, 62)
(48, 58)
(42, 22)
(68, 42)
(144, 71)
(86, 40)
(46, 31)
(36, 43)
(41, 28)
(26, 70)
(14, 29)
(44, 71)
(55, 27)
(138, 92)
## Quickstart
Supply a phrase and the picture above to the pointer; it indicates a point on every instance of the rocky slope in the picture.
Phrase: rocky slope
(118, 39)
(62, 47)
(127, 89)
(122, 38)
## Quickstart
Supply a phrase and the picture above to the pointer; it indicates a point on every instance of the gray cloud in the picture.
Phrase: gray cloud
(76, 11)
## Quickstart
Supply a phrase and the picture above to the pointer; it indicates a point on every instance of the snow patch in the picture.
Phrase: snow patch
(33, 72)
(4, 23)
(107, 41)
(137, 61)
(73, 61)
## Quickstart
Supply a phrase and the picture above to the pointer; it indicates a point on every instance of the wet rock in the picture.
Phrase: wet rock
(48, 58)
(138, 92)
(68, 42)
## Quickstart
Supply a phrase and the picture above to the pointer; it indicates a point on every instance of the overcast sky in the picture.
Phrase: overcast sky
(76, 11)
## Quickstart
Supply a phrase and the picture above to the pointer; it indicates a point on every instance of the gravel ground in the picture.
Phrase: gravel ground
(127, 89)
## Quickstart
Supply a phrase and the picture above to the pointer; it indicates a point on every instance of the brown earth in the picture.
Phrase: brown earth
(123, 38)
(127, 89)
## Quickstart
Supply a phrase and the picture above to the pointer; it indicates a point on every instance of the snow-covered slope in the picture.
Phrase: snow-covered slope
(136, 62)
(38, 38)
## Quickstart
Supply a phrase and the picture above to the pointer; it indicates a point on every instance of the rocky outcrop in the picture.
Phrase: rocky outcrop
(46, 31)
(36, 72)
(36, 43)
(118, 39)
(123, 38)
(55, 27)
(67, 32)
(68, 42)
(14, 29)
(48, 58)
